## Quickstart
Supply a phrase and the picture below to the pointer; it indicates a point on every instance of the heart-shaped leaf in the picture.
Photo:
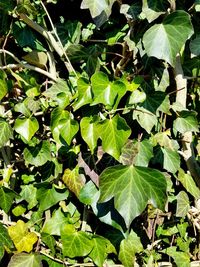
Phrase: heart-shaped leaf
(26, 127)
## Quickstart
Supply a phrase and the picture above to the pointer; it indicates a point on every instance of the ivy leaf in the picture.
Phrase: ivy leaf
(137, 153)
(6, 132)
(53, 225)
(50, 241)
(21, 237)
(89, 131)
(89, 194)
(50, 262)
(57, 88)
(194, 46)
(114, 133)
(152, 9)
(165, 40)
(28, 193)
(183, 204)
(6, 198)
(26, 127)
(186, 122)
(98, 253)
(128, 248)
(84, 94)
(131, 188)
(145, 118)
(47, 197)
(104, 91)
(23, 259)
(189, 184)
(75, 244)
(73, 180)
(4, 88)
(38, 155)
(5, 240)
(171, 160)
(182, 259)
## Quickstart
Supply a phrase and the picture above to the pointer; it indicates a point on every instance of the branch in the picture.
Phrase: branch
(187, 144)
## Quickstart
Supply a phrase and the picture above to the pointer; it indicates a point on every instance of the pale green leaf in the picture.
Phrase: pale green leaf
(189, 184)
(28, 193)
(186, 122)
(6, 132)
(53, 225)
(26, 127)
(98, 253)
(97, 6)
(145, 118)
(23, 259)
(76, 244)
(182, 259)
(128, 248)
(152, 9)
(3, 88)
(89, 194)
(6, 198)
(37, 58)
(89, 131)
(132, 187)
(60, 86)
(171, 160)
(21, 237)
(38, 155)
(50, 241)
(84, 94)
(165, 40)
(73, 180)
(183, 204)
(114, 133)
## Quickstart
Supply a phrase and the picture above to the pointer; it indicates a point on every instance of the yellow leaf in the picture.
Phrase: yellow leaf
(22, 238)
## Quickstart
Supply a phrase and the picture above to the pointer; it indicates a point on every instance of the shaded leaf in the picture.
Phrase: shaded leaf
(128, 248)
(5, 240)
(131, 188)
(165, 40)
(89, 193)
(4, 88)
(22, 238)
(152, 9)
(6, 198)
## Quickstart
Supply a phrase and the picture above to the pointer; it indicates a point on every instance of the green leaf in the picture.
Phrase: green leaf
(28, 193)
(128, 248)
(73, 180)
(50, 262)
(6, 198)
(171, 160)
(50, 241)
(48, 197)
(186, 122)
(53, 225)
(183, 204)
(98, 253)
(59, 87)
(114, 133)
(194, 45)
(5, 240)
(189, 184)
(165, 40)
(26, 127)
(23, 259)
(137, 153)
(145, 118)
(21, 237)
(75, 244)
(6, 132)
(182, 259)
(152, 9)
(84, 94)
(104, 91)
(4, 88)
(89, 193)
(89, 131)
(131, 188)
(38, 155)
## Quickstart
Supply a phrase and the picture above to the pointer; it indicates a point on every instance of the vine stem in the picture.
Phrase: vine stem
(25, 65)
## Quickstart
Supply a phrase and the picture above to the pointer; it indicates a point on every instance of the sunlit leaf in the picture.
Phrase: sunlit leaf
(165, 40)
(6, 132)
(23, 259)
(22, 238)
(183, 204)
(171, 160)
(182, 259)
(26, 127)
(186, 122)
(131, 188)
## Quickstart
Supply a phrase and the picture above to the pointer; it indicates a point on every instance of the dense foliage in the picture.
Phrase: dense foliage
(99, 134)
